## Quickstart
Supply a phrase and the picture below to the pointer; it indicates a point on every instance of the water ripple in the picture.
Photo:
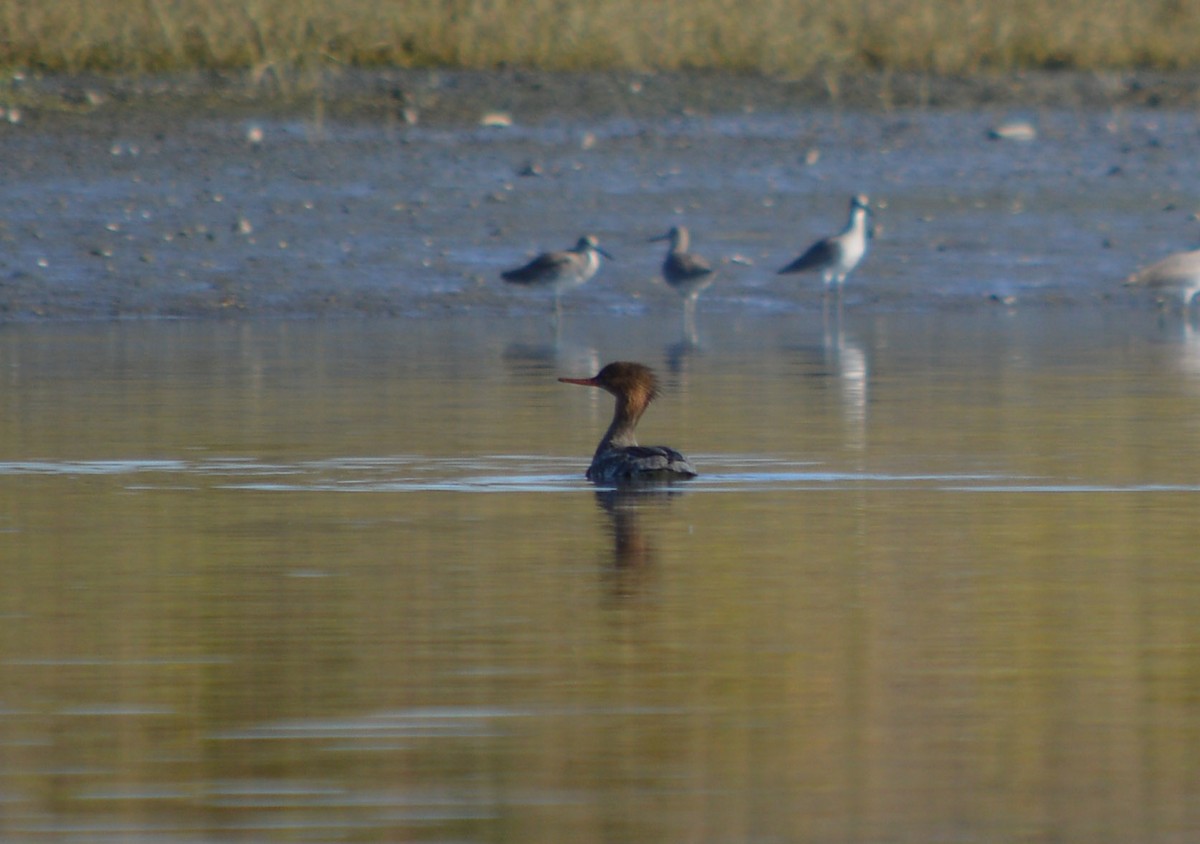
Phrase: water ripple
(511, 473)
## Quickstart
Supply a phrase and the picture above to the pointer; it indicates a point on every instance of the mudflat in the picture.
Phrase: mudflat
(408, 191)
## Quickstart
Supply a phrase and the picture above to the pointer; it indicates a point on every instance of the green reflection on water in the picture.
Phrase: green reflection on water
(189, 651)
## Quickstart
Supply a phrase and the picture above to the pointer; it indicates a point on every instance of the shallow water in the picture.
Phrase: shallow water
(147, 215)
(343, 580)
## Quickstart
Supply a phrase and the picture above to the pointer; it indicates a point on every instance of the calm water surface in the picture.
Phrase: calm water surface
(278, 581)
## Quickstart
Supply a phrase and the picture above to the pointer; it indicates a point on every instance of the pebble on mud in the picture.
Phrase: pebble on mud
(1013, 130)
(497, 119)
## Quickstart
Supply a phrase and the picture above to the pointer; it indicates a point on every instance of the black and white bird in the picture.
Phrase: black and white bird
(559, 271)
(836, 256)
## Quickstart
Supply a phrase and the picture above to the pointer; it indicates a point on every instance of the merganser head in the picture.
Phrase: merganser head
(624, 379)
(860, 201)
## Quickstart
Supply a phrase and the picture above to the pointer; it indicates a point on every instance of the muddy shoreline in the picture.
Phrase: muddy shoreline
(384, 193)
(451, 97)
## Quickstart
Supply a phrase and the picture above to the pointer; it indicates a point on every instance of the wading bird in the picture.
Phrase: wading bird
(685, 273)
(559, 271)
(836, 256)
(1175, 275)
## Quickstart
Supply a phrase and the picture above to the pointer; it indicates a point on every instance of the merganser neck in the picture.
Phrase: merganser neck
(622, 431)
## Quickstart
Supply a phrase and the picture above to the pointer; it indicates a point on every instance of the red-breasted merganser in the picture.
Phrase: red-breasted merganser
(836, 256)
(560, 271)
(618, 458)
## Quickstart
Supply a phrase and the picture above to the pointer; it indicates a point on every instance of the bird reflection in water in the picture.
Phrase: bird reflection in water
(634, 555)
(848, 363)
(543, 357)
(1185, 349)
(686, 347)
(679, 354)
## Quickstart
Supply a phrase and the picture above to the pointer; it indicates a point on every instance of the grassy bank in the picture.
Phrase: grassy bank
(945, 37)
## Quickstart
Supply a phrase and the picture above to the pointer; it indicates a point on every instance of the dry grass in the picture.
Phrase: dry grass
(774, 36)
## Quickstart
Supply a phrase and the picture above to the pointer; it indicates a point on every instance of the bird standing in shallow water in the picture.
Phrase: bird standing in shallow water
(1177, 274)
(687, 274)
(560, 271)
(684, 272)
(838, 255)
(618, 458)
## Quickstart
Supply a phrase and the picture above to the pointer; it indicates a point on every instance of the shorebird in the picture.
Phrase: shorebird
(618, 458)
(837, 255)
(684, 272)
(687, 274)
(560, 271)
(1177, 274)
